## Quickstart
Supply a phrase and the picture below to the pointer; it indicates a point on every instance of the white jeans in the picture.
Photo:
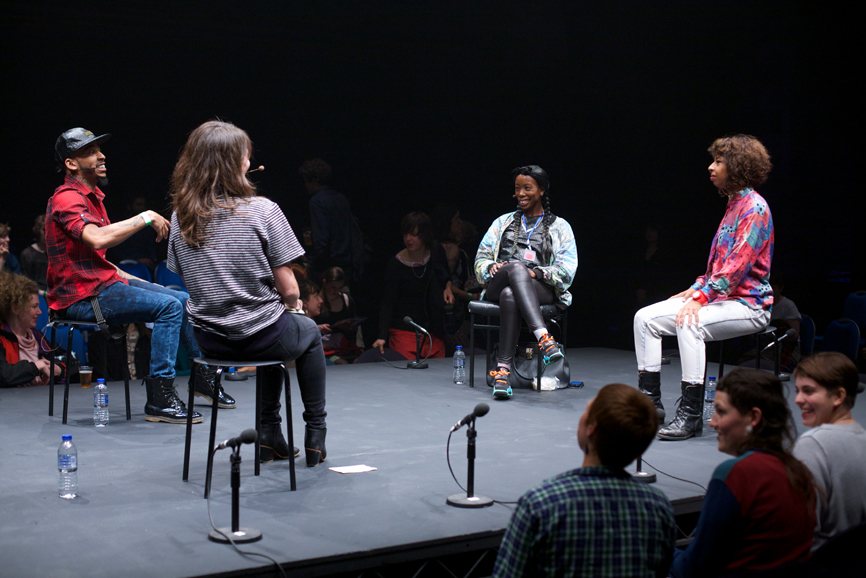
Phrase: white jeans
(716, 321)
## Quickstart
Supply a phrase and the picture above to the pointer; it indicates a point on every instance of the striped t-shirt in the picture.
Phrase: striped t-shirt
(230, 279)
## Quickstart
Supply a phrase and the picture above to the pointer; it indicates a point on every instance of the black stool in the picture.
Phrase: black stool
(768, 330)
(557, 313)
(81, 325)
(220, 365)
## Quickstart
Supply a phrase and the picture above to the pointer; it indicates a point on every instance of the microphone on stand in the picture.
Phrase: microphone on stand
(418, 364)
(248, 436)
(480, 410)
(788, 333)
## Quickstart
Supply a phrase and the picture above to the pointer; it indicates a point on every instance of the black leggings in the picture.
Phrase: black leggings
(518, 294)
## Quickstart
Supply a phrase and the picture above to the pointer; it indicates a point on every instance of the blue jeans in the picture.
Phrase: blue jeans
(142, 302)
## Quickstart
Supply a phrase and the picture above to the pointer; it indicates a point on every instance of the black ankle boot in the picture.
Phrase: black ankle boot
(273, 445)
(314, 446)
(649, 382)
(164, 404)
(203, 379)
(689, 419)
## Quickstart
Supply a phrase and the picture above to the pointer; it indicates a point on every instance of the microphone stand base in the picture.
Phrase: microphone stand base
(461, 501)
(242, 536)
(417, 365)
(645, 477)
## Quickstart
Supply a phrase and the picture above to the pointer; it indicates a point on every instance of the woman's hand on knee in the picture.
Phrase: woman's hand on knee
(688, 314)
(380, 345)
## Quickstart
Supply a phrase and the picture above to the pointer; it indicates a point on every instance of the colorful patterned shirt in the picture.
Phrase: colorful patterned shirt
(593, 521)
(739, 263)
(559, 273)
(75, 271)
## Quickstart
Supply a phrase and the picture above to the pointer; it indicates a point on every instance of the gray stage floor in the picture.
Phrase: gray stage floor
(135, 517)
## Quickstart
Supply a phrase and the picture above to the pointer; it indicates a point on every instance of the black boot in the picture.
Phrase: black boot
(314, 446)
(204, 380)
(649, 382)
(164, 404)
(689, 419)
(273, 445)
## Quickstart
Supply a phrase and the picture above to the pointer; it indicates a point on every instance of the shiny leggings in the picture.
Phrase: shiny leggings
(518, 295)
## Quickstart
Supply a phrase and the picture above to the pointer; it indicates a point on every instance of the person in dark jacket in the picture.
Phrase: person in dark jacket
(23, 348)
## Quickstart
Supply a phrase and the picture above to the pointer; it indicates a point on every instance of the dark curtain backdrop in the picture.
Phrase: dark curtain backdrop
(416, 104)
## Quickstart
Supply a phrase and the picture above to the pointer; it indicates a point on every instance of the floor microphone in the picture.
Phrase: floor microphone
(480, 410)
(248, 436)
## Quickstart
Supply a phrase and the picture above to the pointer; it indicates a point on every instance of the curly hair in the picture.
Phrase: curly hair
(316, 170)
(15, 293)
(776, 433)
(832, 371)
(209, 176)
(746, 159)
(543, 182)
(625, 423)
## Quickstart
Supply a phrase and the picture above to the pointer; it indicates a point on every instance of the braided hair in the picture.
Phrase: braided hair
(543, 181)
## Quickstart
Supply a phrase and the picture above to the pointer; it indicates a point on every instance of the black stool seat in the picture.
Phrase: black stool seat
(220, 365)
(557, 313)
(81, 326)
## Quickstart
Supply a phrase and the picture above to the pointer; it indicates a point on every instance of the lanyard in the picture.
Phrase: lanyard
(529, 233)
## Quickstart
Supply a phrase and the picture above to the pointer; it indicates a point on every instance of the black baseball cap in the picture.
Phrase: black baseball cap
(71, 141)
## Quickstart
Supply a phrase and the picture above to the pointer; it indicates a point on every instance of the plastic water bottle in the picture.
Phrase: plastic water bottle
(459, 366)
(710, 398)
(67, 464)
(100, 404)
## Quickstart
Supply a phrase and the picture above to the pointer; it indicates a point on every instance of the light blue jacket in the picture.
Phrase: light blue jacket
(559, 274)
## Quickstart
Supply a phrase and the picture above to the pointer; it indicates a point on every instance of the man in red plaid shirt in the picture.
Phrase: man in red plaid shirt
(78, 234)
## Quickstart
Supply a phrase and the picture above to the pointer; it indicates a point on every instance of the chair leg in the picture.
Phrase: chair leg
(721, 359)
(289, 428)
(66, 389)
(258, 466)
(471, 350)
(126, 386)
(51, 371)
(213, 424)
(189, 407)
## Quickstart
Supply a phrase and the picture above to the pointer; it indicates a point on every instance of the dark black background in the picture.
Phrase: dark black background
(416, 103)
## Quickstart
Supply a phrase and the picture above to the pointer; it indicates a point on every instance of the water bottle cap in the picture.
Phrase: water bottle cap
(232, 370)
(100, 380)
(67, 437)
(713, 377)
(459, 347)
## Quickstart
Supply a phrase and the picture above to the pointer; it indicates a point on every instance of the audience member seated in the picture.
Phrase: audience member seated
(595, 520)
(528, 258)
(338, 306)
(449, 231)
(339, 350)
(784, 316)
(8, 261)
(34, 258)
(415, 286)
(759, 511)
(23, 348)
(835, 450)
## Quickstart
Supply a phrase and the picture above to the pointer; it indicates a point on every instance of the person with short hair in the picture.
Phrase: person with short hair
(595, 520)
(759, 510)
(732, 298)
(8, 261)
(330, 219)
(416, 282)
(83, 284)
(835, 449)
(34, 258)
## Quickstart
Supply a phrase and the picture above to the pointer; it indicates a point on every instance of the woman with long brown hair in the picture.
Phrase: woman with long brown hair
(234, 249)
(759, 511)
